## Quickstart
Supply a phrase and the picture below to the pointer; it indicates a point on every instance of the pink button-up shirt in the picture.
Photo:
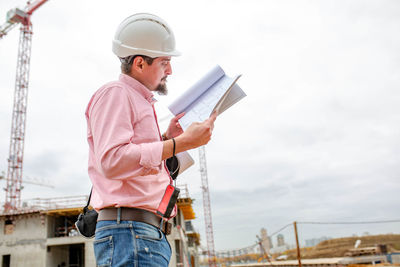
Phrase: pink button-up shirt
(125, 147)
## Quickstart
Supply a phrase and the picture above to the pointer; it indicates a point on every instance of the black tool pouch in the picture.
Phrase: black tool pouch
(86, 222)
(173, 167)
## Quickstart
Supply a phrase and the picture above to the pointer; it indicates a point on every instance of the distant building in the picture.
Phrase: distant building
(281, 245)
(281, 240)
(266, 240)
(48, 238)
(271, 244)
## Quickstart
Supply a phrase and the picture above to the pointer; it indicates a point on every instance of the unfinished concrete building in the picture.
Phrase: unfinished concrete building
(46, 237)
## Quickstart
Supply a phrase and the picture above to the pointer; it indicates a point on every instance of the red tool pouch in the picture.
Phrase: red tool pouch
(168, 201)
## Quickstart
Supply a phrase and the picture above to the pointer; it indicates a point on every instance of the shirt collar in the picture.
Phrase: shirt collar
(138, 87)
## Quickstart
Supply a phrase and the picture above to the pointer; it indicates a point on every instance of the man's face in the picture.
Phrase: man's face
(155, 75)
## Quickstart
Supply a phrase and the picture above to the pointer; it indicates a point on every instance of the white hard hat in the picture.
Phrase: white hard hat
(144, 34)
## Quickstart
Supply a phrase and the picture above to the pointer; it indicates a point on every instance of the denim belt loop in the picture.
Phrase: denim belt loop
(161, 225)
(118, 215)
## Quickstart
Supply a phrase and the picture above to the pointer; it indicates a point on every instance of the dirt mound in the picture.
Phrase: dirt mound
(339, 246)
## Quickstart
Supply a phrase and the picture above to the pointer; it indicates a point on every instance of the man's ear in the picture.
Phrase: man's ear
(138, 63)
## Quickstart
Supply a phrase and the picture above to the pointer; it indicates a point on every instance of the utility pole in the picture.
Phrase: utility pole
(297, 243)
(263, 251)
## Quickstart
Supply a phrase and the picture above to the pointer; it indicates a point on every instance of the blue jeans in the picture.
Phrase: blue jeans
(130, 243)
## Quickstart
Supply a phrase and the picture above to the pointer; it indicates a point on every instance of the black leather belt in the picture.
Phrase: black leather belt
(134, 214)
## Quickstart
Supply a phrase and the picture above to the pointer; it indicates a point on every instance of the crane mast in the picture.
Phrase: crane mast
(18, 122)
(207, 208)
(16, 152)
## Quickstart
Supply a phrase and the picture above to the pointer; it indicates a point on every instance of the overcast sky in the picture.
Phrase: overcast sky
(316, 138)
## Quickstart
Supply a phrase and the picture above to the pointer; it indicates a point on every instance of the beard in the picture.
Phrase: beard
(162, 89)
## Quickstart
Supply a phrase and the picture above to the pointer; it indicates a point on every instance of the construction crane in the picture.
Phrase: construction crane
(16, 153)
(212, 261)
(30, 180)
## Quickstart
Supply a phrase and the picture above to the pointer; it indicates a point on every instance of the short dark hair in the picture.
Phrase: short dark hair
(126, 62)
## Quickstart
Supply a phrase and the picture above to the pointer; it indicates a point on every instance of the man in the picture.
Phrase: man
(127, 151)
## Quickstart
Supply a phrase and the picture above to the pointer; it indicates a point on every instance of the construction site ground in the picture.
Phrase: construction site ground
(339, 246)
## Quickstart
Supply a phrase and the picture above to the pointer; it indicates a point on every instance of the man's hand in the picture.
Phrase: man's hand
(174, 128)
(198, 133)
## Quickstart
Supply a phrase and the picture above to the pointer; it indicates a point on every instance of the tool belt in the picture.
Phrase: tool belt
(134, 214)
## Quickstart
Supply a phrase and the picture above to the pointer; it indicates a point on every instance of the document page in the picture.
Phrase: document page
(183, 102)
(223, 99)
(202, 108)
(234, 95)
(215, 91)
(185, 161)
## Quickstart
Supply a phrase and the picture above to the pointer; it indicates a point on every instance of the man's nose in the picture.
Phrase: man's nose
(168, 70)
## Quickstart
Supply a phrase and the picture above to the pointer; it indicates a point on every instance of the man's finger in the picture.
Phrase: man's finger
(211, 120)
(213, 116)
(180, 115)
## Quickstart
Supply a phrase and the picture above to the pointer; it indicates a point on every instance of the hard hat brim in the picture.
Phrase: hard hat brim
(122, 50)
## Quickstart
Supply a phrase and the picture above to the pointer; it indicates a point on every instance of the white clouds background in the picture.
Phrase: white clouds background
(316, 139)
